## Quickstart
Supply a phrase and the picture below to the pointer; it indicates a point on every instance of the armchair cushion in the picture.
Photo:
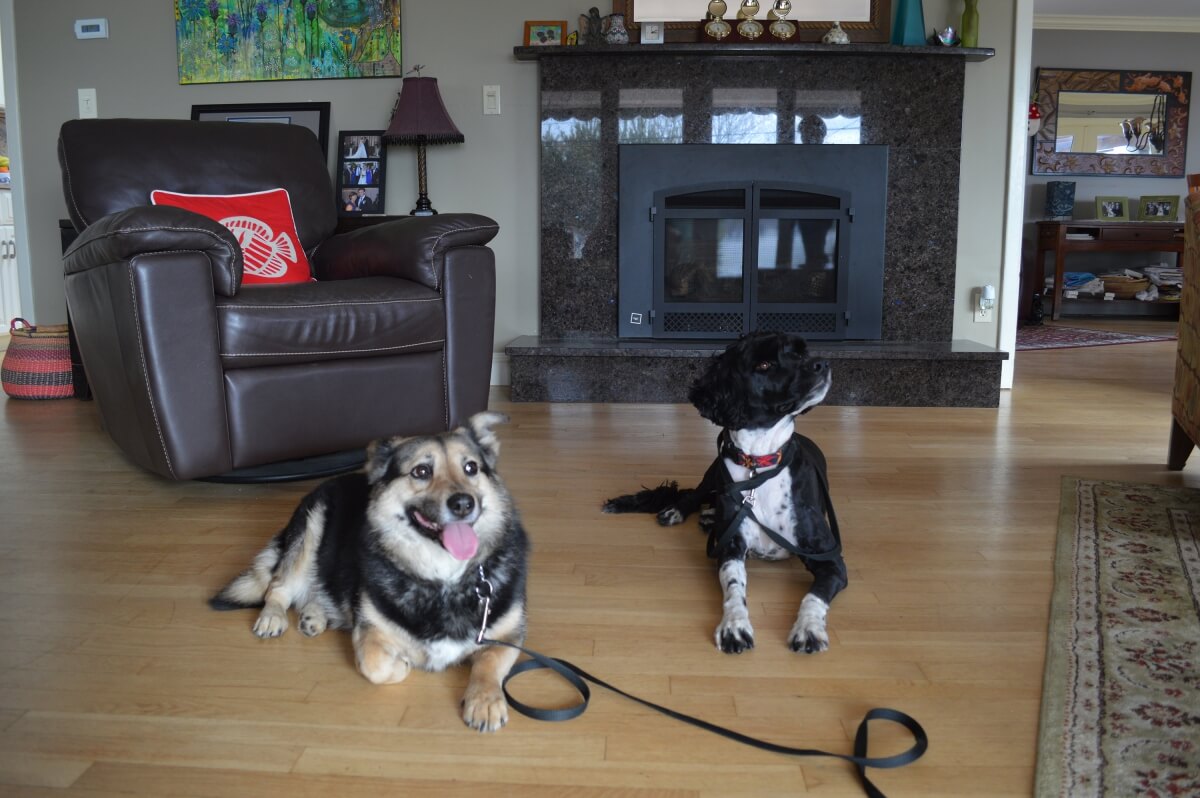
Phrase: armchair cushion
(336, 320)
(263, 225)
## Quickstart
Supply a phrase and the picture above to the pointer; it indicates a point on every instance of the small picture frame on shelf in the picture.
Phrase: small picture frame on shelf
(544, 33)
(1158, 208)
(360, 172)
(1112, 209)
(652, 32)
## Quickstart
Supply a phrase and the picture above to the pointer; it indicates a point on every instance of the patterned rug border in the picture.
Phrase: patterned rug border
(1086, 337)
(1057, 733)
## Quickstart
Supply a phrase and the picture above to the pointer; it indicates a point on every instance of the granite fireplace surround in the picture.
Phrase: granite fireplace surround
(909, 99)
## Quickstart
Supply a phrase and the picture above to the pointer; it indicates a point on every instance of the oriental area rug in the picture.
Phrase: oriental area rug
(1047, 336)
(1121, 690)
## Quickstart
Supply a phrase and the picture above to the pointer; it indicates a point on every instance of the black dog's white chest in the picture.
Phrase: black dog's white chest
(770, 505)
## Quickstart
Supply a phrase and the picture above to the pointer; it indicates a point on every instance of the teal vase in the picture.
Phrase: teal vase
(910, 23)
(969, 32)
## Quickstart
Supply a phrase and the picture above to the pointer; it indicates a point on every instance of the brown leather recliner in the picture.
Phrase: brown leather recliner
(197, 375)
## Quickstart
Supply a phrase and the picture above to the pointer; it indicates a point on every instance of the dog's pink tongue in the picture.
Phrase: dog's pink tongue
(459, 539)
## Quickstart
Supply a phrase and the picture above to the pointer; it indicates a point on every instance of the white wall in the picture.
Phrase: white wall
(494, 172)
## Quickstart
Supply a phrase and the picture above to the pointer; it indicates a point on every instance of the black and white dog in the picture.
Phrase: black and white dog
(767, 490)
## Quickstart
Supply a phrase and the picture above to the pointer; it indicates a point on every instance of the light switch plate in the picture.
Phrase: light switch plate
(87, 104)
(491, 100)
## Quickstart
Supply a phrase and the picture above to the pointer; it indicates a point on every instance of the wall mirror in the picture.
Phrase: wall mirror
(864, 20)
(1099, 122)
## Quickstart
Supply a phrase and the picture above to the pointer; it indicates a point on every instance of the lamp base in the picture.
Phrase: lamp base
(419, 212)
(424, 206)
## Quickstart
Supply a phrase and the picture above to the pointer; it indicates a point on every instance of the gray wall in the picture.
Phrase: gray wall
(495, 172)
(1170, 52)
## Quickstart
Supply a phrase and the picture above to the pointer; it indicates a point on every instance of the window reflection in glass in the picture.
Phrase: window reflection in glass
(745, 116)
(650, 116)
(703, 260)
(797, 260)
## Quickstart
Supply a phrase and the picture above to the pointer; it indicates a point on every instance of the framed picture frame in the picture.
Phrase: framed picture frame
(1158, 208)
(361, 163)
(543, 33)
(652, 33)
(1112, 209)
(314, 116)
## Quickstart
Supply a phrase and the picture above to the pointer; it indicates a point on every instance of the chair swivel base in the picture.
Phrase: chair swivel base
(316, 467)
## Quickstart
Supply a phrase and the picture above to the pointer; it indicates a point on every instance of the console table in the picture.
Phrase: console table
(1094, 235)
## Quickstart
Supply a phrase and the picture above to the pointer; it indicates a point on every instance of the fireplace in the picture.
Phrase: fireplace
(764, 104)
(716, 240)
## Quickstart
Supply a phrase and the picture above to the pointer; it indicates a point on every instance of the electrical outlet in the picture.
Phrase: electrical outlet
(983, 315)
(87, 104)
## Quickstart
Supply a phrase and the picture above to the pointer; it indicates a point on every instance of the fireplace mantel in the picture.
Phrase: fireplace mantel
(735, 50)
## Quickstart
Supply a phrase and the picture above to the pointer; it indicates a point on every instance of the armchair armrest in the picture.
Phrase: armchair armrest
(155, 229)
(412, 248)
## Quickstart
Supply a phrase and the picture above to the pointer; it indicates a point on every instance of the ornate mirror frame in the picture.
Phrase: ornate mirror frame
(876, 31)
(1175, 85)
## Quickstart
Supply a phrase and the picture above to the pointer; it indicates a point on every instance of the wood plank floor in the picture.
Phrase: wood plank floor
(116, 679)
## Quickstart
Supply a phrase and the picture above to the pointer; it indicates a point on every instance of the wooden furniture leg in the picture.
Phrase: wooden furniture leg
(1179, 448)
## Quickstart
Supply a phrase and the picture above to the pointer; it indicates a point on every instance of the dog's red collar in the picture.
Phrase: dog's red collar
(755, 462)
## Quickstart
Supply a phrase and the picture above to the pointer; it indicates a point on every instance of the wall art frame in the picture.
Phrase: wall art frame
(314, 116)
(233, 41)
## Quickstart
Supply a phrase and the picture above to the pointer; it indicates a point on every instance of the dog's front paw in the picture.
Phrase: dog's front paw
(484, 708)
(735, 636)
(670, 517)
(808, 633)
(272, 622)
(312, 621)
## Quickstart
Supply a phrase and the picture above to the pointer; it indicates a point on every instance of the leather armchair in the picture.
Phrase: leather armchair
(1185, 402)
(196, 375)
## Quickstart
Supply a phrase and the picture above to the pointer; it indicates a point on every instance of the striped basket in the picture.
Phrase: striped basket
(37, 363)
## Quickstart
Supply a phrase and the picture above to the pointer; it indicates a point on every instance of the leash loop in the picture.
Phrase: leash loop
(578, 678)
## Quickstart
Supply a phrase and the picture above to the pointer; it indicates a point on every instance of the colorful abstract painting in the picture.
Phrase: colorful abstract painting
(225, 41)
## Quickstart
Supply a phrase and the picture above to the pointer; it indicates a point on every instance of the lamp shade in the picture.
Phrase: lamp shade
(420, 117)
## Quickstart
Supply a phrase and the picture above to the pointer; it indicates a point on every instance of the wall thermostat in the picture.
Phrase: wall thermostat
(91, 28)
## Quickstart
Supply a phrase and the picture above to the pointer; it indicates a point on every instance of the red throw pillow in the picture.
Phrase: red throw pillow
(263, 225)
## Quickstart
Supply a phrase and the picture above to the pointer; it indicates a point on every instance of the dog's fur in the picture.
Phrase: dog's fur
(754, 390)
(371, 552)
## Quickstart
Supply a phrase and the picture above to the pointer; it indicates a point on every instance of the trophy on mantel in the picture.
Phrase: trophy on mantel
(749, 28)
(780, 27)
(716, 27)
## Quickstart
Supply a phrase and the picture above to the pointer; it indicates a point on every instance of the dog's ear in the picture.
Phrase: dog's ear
(481, 428)
(379, 458)
(717, 392)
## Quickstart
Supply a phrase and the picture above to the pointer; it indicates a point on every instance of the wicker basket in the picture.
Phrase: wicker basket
(1122, 286)
(37, 363)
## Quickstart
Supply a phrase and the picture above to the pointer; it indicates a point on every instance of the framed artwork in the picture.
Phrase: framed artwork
(1112, 209)
(864, 20)
(540, 33)
(227, 41)
(360, 167)
(1158, 208)
(314, 116)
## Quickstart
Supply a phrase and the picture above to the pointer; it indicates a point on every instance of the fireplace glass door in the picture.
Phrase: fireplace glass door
(734, 258)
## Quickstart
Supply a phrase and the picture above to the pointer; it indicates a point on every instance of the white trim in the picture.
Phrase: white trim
(1014, 211)
(500, 373)
(1128, 24)
(13, 122)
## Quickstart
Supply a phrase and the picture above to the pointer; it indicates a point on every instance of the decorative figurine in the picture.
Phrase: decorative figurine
(590, 28)
(946, 38)
(749, 27)
(835, 35)
(780, 28)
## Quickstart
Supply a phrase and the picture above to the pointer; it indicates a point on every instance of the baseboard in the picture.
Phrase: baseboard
(500, 371)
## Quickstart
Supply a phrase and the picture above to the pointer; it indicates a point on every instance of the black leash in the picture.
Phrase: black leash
(578, 678)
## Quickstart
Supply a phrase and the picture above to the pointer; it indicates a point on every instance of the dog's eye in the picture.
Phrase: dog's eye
(423, 471)
(763, 365)
(471, 468)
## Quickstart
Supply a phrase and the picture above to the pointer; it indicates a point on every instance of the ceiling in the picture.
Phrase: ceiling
(1119, 8)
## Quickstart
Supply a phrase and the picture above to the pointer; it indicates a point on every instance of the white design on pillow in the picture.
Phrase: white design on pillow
(264, 253)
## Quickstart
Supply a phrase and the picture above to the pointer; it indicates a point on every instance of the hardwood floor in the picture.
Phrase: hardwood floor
(116, 678)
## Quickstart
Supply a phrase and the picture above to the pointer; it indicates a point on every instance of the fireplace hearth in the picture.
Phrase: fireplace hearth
(764, 106)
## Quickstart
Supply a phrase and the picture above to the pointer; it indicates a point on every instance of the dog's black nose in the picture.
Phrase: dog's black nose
(461, 504)
(818, 366)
